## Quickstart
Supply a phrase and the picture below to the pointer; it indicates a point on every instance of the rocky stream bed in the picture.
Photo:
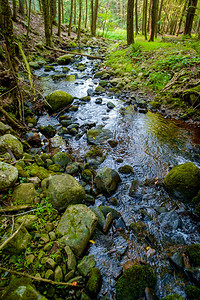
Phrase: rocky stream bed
(97, 172)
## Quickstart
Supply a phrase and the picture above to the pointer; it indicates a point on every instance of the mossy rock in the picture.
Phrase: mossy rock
(98, 135)
(87, 175)
(58, 100)
(126, 169)
(173, 297)
(24, 194)
(131, 285)
(183, 181)
(154, 105)
(56, 168)
(107, 180)
(9, 175)
(9, 141)
(192, 292)
(94, 283)
(62, 159)
(49, 68)
(19, 242)
(40, 172)
(70, 78)
(65, 59)
(48, 131)
(193, 252)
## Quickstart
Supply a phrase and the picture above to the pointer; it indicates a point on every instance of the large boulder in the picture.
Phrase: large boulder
(19, 242)
(63, 190)
(8, 176)
(131, 285)
(76, 227)
(62, 159)
(183, 181)
(9, 141)
(98, 135)
(65, 59)
(107, 180)
(24, 193)
(58, 100)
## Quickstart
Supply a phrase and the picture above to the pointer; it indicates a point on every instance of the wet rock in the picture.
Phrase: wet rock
(98, 101)
(95, 156)
(58, 142)
(106, 209)
(9, 141)
(177, 260)
(58, 274)
(100, 216)
(62, 159)
(71, 258)
(194, 275)
(121, 244)
(120, 224)
(170, 221)
(137, 227)
(58, 100)
(132, 284)
(193, 251)
(33, 138)
(173, 297)
(113, 143)
(110, 105)
(99, 89)
(192, 292)
(108, 222)
(49, 68)
(133, 188)
(19, 242)
(65, 59)
(87, 263)
(4, 128)
(24, 193)
(70, 78)
(21, 289)
(94, 283)
(48, 131)
(151, 252)
(63, 190)
(107, 180)
(183, 181)
(8, 176)
(126, 169)
(76, 227)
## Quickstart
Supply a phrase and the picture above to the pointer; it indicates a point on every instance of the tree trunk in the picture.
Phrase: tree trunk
(181, 19)
(144, 19)
(95, 16)
(130, 35)
(86, 13)
(21, 8)
(159, 15)
(14, 16)
(63, 15)
(92, 17)
(7, 30)
(52, 11)
(45, 8)
(79, 20)
(74, 12)
(29, 22)
(190, 17)
(59, 17)
(70, 20)
(153, 20)
(136, 17)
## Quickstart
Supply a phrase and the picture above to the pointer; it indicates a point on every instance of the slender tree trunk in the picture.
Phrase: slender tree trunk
(92, 17)
(136, 17)
(190, 17)
(40, 5)
(159, 14)
(63, 15)
(153, 20)
(149, 15)
(130, 34)
(198, 28)
(144, 19)
(86, 13)
(21, 8)
(70, 20)
(79, 20)
(45, 8)
(181, 19)
(95, 16)
(74, 12)
(14, 16)
(59, 17)
(29, 22)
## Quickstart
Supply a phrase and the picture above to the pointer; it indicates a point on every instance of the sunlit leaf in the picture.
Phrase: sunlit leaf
(92, 242)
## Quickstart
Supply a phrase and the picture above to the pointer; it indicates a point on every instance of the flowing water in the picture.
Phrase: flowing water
(150, 144)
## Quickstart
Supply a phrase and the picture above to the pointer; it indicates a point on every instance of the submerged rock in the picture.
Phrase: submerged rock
(9, 141)
(58, 100)
(98, 135)
(8, 176)
(183, 181)
(76, 227)
(131, 285)
(65, 59)
(107, 180)
(63, 190)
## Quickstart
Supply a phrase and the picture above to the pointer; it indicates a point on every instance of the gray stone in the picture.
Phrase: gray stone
(24, 193)
(62, 159)
(76, 227)
(58, 274)
(8, 176)
(98, 135)
(29, 222)
(100, 216)
(69, 275)
(71, 258)
(87, 263)
(50, 264)
(9, 141)
(107, 180)
(63, 190)
(110, 105)
(108, 222)
(4, 128)
(19, 242)
(170, 221)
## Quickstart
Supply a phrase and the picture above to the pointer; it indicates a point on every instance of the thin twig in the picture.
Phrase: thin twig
(41, 279)
(13, 224)
(15, 87)
(75, 53)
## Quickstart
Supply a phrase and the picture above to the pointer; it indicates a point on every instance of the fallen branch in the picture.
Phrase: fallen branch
(75, 53)
(41, 279)
(11, 119)
(14, 208)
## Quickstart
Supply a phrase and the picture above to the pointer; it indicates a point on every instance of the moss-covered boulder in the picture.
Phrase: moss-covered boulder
(48, 131)
(107, 180)
(19, 242)
(62, 159)
(76, 227)
(63, 190)
(173, 297)
(35, 170)
(192, 292)
(183, 181)
(86, 265)
(8, 176)
(98, 135)
(24, 193)
(21, 289)
(94, 283)
(9, 141)
(131, 285)
(58, 100)
(126, 169)
(4, 128)
(65, 59)
(193, 252)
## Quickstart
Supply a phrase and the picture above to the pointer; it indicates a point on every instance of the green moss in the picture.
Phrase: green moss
(183, 181)
(58, 100)
(192, 292)
(193, 252)
(87, 175)
(131, 285)
(126, 169)
(65, 59)
(94, 283)
(55, 168)
(96, 151)
(154, 105)
(35, 170)
(173, 297)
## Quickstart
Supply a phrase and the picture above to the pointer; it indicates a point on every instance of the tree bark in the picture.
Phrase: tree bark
(159, 15)
(130, 34)
(70, 20)
(192, 5)
(29, 22)
(136, 17)
(95, 15)
(153, 20)
(21, 8)
(144, 19)
(79, 20)
(92, 17)
(59, 17)
(45, 8)
(63, 15)
(14, 16)
(86, 13)
(74, 12)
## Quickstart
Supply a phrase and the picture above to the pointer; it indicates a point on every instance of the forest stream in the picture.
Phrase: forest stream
(151, 145)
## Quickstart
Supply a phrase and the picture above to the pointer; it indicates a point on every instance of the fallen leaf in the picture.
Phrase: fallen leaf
(147, 248)
(74, 283)
(91, 241)
(93, 138)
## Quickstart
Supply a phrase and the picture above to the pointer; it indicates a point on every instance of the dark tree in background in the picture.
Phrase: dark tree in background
(153, 20)
(191, 8)
(130, 35)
